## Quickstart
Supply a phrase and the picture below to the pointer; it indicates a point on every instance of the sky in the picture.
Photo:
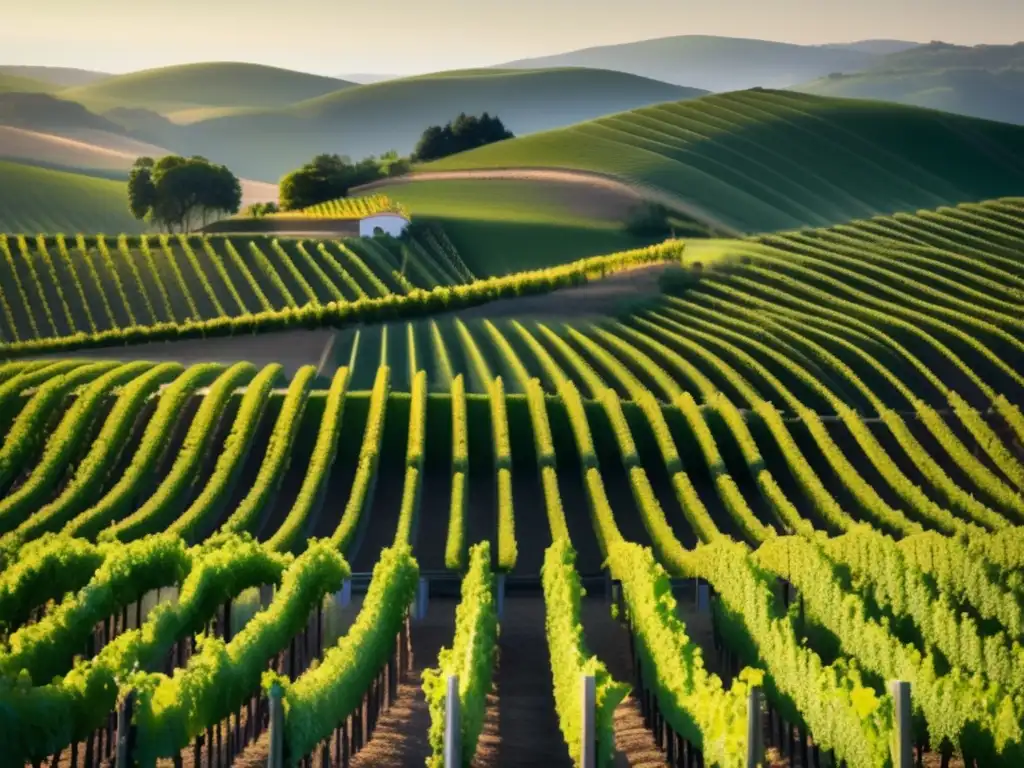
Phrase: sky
(403, 36)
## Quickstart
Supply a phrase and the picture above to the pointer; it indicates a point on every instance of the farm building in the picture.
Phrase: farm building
(388, 223)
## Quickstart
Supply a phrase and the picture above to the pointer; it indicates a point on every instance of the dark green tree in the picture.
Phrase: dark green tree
(463, 133)
(329, 177)
(179, 192)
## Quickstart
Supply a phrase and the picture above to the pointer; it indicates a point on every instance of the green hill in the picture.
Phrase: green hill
(768, 160)
(374, 118)
(212, 84)
(57, 77)
(992, 95)
(713, 63)
(34, 200)
(14, 83)
(507, 225)
(982, 81)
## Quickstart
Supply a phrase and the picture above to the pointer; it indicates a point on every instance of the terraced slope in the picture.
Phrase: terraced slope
(769, 160)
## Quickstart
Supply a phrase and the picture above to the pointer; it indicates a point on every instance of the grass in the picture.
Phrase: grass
(34, 200)
(501, 226)
(769, 160)
(212, 84)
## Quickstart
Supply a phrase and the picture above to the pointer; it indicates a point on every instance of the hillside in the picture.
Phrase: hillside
(205, 85)
(44, 111)
(712, 63)
(16, 83)
(374, 118)
(768, 160)
(58, 77)
(875, 47)
(984, 81)
(34, 200)
(507, 225)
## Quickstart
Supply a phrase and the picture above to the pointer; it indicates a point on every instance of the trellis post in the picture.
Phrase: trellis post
(452, 725)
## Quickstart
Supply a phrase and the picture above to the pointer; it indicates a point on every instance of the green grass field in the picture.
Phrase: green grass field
(34, 200)
(211, 84)
(507, 225)
(769, 160)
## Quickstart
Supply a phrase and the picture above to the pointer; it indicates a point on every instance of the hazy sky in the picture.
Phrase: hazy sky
(399, 36)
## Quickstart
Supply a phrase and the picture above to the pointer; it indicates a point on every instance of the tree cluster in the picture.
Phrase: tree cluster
(181, 192)
(259, 210)
(462, 133)
(330, 177)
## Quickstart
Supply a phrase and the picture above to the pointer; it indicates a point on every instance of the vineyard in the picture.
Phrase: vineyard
(796, 473)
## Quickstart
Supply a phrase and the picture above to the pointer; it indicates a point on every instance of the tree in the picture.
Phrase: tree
(330, 177)
(462, 133)
(176, 191)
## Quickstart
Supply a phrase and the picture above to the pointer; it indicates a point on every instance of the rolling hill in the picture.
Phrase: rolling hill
(713, 63)
(506, 225)
(770, 160)
(219, 85)
(876, 47)
(34, 200)
(982, 81)
(58, 77)
(374, 118)
(15, 83)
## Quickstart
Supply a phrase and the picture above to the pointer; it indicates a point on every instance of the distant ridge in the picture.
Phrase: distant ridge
(876, 47)
(59, 77)
(207, 84)
(713, 63)
(980, 81)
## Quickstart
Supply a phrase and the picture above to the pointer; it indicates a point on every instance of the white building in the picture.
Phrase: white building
(393, 224)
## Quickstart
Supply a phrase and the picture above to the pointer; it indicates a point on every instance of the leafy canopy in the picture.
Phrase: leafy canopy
(463, 133)
(330, 177)
(180, 192)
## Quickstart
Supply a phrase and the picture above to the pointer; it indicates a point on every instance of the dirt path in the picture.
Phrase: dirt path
(527, 730)
(560, 175)
(634, 744)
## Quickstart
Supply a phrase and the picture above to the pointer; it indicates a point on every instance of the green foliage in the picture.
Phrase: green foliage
(455, 545)
(80, 702)
(570, 660)
(325, 695)
(119, 499)
(329, 177)
(318, 474)
(471, 657)
(361, 496)
(160, 509)
(221, 676)
(387, 307)
(175, 191)
(218, 489)
(463, 133)
(66, 440)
